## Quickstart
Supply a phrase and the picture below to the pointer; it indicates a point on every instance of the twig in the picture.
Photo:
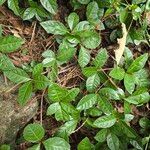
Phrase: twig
(110, 79)
(41, 107)
(80, 126)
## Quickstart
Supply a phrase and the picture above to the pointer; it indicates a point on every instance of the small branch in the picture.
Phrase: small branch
(41, 107)
(80, 126)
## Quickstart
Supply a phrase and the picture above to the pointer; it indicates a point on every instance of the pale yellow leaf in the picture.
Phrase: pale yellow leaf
(121, 42)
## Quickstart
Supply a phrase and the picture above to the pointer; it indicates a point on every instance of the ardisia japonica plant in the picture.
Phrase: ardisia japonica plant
(104, 102)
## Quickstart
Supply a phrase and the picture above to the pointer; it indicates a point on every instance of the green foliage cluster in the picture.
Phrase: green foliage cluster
(94, 103)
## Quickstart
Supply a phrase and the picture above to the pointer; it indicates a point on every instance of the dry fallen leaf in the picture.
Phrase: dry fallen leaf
(121, 42)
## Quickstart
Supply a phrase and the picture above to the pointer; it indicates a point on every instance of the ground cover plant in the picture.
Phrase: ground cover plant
(92, 80)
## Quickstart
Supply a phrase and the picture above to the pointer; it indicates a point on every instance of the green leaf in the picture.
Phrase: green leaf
(68, 127)
(48, 54)
(84, 1)
(90, 39)
(56, 93)
(72, 94)
(52, 109)
(54, 27)
(35, 147)
(85, 144)
(92, 82)
(127, 130)
(105, 121)
(2, 2)
(65, 52)
(56, 143)
(89, 71)
(40, 81)
(138, 63)
(50, 5)
(101, 58)
(105, 105)
(144, 123)
(4, 147)
(38, 69)
(129, 82)
(94, 112)
(92, 12)
(117, 73)
(5, 63)
(101, 135)
(87, 102)
(140, 98)
(70, 110)
(73, 20)
(17, 75)
(29, 13)
(110, 93)
(113, 141)
(82, 27)
(14, 6)
(136, 144)
(33, 132)
(25, 92)
(10, 43)
(84, 57)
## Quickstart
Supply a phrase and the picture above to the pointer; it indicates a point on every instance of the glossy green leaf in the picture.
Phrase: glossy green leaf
(138, 63)
(56, 93)
(92, 82)
(92, 11)
(35, 147)
(40, 81)
(14, 6)
(85, 144)
(54, 27)
(89, 71)
(101, 135)
(73, 20)
(110, 93)
(87, 102)
(129, 82)
(68, 127)
(84, 57)
(84, 1)
(56, 143)
(117, 73)
(94, 112)
(136, 144)
(10, 43)
(50, 5)
(5, 63)
(90, 39)
(101, 58)
(25, 92)
(52, 109)
(105, 121)
(105, 105)
(2, 2)
(144, 123)
(33, 132)
(127, 130)
(65, 52)
(82, 26)
(29, 13)
(70, 110)
(113, 141)
(17, 75)
(139, 98)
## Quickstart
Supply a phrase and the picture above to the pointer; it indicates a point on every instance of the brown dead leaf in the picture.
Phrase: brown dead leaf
(122, 42)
